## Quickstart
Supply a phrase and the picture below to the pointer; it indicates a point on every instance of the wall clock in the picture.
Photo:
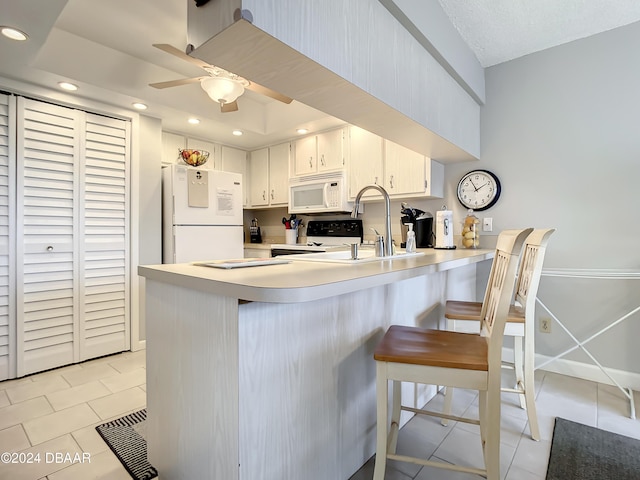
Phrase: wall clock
(479, 190)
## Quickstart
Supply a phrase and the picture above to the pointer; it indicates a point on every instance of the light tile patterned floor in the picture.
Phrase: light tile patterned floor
(521, 458)
(57, 411)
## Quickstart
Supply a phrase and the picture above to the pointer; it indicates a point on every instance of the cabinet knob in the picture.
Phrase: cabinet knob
(49, 248)
(272, 195)
(322, 160)
(391, 181)
(264, 194)
(375, 180)
(310, 162)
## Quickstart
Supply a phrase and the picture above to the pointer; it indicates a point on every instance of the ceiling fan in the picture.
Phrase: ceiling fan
(222, 86)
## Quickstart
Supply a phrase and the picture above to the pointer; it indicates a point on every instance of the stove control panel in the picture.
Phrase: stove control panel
(335, 228)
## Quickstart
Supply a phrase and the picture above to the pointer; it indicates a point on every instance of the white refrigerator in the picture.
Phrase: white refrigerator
(201, 214)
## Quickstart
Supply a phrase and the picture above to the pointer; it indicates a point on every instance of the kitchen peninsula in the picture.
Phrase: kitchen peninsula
(267, 372)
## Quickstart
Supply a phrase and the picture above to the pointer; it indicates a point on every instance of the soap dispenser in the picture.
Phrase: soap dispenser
(411, 239)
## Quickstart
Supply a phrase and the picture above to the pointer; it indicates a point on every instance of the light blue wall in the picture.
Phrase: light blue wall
(561, 128)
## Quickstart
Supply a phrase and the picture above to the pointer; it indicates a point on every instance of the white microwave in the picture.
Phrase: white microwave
(322, 193)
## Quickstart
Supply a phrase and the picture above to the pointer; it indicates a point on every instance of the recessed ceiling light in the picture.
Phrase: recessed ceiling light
(68, 86)
(302, 131)
(237, 133)
(139, 106)
(13, 33)
(193, 121)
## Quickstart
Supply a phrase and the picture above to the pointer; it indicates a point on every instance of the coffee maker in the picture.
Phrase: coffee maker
(422, 224)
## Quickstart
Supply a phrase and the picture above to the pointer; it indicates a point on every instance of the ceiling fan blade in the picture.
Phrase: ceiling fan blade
(180, 54)
(268, 92)
(229, 107)
(176, 83)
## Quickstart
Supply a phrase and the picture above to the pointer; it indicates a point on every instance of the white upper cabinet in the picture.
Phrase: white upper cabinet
(331, 150)
(365, 160)
(402, 172)
(319, 153)
(235, 160)
(259, 172)
(214, 162)
(269, 171)
(305, 161)
(408, 174)
(171, 144)
(279, 174)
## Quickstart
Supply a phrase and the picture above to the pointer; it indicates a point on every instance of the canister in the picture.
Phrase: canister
(444, 229)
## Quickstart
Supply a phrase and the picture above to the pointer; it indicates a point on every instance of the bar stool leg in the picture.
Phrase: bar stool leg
(446, 407)
(517, 366)
(395, 416)
(529, 390)
(491, 417)
(382, 392)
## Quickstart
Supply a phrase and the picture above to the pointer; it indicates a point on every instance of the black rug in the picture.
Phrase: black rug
(126, 438)
(580, 452)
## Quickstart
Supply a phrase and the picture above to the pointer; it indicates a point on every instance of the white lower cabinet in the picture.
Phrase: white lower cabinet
(69, 252)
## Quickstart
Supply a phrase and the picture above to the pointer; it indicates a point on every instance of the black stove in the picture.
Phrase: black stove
(324, 235)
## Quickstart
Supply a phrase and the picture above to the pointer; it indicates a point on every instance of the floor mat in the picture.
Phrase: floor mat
(126, 438)
(580, 452)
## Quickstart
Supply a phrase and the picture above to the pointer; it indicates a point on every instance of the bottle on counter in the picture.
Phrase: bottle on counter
(471, 231)
(411, 239)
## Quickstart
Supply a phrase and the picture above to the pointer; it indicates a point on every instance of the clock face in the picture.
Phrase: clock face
(479, 190)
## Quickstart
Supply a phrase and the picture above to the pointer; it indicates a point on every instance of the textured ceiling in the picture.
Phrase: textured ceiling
(501, 30)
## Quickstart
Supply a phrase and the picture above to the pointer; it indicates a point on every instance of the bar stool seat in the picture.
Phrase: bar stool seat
(438, 348)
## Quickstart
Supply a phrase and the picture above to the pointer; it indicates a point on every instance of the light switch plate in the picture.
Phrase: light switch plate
(487, 224)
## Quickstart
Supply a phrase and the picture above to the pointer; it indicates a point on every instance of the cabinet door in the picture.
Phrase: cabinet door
(7, 229)
(171, 144)
(365, 161)
(404, 170)
(213, 162)
(235, 160)
(279, 174)
(47, 260)
(104, 237)
(305, 161)
(259, 168)
(330, 150)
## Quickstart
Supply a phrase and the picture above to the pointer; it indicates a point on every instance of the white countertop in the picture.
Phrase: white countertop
(305, 281)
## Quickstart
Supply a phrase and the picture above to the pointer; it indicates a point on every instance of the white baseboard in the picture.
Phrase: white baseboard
(584, 371)
(139, 345)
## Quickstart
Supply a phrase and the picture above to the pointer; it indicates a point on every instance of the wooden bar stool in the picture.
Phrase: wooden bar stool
(438, 357)
(520, 325)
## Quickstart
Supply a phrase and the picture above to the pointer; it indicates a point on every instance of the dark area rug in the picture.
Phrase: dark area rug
(580, 452)
(126, 438)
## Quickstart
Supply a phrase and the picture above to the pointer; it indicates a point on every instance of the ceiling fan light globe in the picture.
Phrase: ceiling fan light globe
(222, 90)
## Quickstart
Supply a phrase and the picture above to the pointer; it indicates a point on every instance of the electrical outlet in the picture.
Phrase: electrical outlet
(545, 325)
(487, 224)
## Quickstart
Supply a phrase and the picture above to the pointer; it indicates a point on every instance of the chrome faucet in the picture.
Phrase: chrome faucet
(388, 245)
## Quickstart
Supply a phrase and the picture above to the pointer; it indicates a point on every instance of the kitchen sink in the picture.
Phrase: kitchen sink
(344, 256)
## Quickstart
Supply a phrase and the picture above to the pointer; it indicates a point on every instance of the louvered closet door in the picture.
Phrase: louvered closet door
(47, 212)
(104, 290)
(7, 227)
